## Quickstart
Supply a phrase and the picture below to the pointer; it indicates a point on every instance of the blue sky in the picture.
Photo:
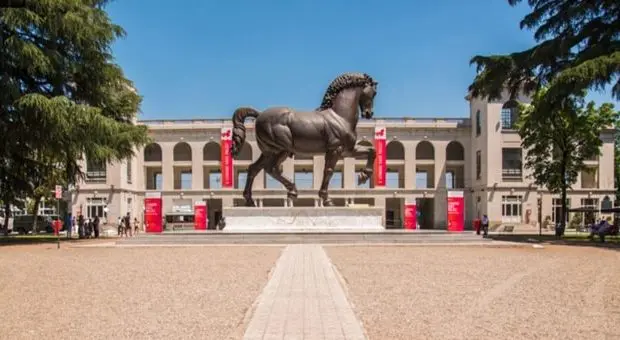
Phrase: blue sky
(202, 59)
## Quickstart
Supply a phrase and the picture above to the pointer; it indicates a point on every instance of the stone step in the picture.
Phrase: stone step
(288, 238)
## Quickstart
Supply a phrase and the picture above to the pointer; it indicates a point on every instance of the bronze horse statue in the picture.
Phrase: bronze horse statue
(330, 130)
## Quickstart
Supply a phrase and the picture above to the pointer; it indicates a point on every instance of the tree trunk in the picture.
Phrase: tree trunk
(35, 214)
(563, 198)
(7, 215)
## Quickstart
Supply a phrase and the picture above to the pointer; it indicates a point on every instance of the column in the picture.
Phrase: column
(440, 163)
(348, 172)
(317, 171)
(410, 170)
(167, 169)
(197, 167)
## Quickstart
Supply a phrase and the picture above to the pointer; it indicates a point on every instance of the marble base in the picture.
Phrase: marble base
(268, 219)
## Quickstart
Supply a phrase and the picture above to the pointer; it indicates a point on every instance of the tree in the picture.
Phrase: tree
(557, 144)
(578, 48)
(62, 97)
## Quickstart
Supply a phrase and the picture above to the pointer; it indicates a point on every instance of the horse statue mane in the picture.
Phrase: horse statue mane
(343, 81)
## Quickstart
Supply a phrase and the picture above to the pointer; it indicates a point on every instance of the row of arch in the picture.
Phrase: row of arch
(395, 150)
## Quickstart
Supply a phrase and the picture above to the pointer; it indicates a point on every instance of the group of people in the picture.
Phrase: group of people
(86, 227)
(125, 226)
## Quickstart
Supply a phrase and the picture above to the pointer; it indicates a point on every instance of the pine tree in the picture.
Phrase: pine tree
(557, 144)
(62, 97)
(578, 48)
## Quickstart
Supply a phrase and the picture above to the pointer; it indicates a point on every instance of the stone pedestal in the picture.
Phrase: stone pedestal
(299, 219)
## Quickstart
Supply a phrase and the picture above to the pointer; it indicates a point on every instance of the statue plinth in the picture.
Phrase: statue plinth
(302, 219)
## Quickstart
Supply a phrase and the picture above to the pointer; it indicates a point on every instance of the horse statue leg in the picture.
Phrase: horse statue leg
(253, 170)
(273, 167)
(331, 158)
(369, 151)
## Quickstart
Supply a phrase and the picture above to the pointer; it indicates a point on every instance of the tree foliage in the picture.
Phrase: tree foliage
(62, 97)
(557, 144)
(578, 48)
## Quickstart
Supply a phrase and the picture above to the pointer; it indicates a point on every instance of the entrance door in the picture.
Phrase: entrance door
(511, 209)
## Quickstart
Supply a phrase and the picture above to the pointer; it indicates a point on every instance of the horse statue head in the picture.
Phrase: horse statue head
(351, 80)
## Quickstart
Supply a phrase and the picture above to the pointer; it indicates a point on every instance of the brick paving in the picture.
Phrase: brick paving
(303, 300)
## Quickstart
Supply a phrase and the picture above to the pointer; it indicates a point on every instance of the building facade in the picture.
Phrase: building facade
(425, 158)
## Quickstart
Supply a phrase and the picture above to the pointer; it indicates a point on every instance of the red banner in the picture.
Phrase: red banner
(152, 212)
(381, 159)
(200, 215)
(456, 211)
(226, 158)
(410, 221)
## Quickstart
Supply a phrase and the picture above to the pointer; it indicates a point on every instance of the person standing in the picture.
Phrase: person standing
(81, 226)
(136, 226)
(119, 225)
(128, 232)
(96, 226)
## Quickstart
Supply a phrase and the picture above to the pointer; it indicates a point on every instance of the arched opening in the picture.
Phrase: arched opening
(395, 154)
(212, 176)
(510, 114)
(455, 151)
(425, 151)
(182, 152)
(245, 154)
(153, 174)
(395, 150)
(152, 153)
(211, 152)
(455, 173)
(425, 167)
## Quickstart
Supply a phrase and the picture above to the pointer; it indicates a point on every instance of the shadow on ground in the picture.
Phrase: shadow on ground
(612, 242)
(12, 240)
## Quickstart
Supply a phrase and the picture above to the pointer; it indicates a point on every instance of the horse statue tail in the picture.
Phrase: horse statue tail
(238, 133)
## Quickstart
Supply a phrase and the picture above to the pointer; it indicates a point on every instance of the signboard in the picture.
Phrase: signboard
(226, 162)
(200, 215)
(410, 218)
(153, 212)
(58, 192)
(456, 211)
(381, 157)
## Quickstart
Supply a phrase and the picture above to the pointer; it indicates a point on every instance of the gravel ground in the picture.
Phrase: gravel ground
(483, 293)
(123, 293)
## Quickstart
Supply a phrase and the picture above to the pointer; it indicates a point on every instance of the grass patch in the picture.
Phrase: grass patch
(31, 239)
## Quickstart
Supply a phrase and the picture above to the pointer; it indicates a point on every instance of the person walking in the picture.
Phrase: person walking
(127, 221)
(485, 226)
(119, 225)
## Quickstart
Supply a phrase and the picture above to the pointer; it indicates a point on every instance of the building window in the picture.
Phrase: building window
(556, 211)
(129, 178)
(511, 209)
(592, 203)
(303, 179)
(511, 165)
(510, 115)
(336, 180)
(215, 180)
(186, 180)
(478, 124)
(478, 164)
(392, 179)
(96, 207)
(242, 177)
(421, 179)
(450, 180)
(95, 171)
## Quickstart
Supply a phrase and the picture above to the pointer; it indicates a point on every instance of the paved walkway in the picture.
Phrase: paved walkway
(303, 300)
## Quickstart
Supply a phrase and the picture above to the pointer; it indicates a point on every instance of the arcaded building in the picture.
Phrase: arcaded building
(480, 155)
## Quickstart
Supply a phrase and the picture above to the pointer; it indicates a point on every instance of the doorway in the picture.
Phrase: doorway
(214, 212)
(425, 211)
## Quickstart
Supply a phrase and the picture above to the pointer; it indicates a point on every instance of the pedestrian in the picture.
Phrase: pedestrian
(68, 225)
(485, 226)
(81, 226)
(96, 226)
(136, 226)
(127, 221)
(119, 225)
